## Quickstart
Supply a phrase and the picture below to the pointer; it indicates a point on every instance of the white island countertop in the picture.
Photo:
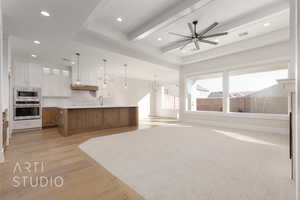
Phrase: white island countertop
(95, 106)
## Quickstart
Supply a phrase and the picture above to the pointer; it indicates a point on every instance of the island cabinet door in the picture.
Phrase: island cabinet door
(124, 117)
(111, 117)
(77, 119)
(50, 117)
(94, 119)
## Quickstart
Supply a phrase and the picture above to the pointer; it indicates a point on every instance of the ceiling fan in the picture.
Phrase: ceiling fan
(198, 37)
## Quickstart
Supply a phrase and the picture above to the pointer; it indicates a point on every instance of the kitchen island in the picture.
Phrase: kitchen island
(78, 119)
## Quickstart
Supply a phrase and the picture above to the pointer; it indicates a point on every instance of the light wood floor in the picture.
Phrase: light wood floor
(83, 177)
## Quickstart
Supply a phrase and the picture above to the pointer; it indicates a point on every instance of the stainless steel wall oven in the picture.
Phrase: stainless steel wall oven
(27, 104)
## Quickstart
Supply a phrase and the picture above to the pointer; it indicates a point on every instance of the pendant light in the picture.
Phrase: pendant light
(155, 84)
(125, 76)
(78, 79)
(104, 73)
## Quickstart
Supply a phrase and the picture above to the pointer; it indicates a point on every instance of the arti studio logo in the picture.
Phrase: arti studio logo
(32, 176)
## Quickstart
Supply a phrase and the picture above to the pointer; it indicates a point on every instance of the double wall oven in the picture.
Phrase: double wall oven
(27, 103)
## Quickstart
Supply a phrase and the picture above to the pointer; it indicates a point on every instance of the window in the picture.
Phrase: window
(170, 97)
(205, 93)
(257, 91)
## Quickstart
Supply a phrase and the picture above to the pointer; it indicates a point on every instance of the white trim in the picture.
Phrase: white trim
(295, 61)
(226, 106)
(265, 129)
(270, 62)
(2, 158)
(226, 100)
(242, 115)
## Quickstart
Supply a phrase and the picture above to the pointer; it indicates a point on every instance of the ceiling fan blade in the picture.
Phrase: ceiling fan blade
(208, 41)
(197, 44)
(180, 35)
(185, 45)
(175, 45)
(208, 29)
(214, 35)
(191, 28)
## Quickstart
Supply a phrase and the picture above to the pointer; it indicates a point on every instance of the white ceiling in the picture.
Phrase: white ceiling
(254, 29)
(91, 26)
(222, 11)
(134, 13)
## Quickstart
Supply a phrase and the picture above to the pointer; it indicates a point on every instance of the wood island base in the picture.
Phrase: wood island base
(77, 120)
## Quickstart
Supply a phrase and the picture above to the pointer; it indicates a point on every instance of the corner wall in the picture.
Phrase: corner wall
(1, 83)
(265, 56)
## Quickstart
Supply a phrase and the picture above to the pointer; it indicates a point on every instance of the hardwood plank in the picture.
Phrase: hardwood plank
(84, 178)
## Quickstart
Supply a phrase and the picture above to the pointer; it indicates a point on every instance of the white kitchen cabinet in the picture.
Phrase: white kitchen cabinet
(56, 83)
(20, 74)
(35, 75)
(27, 75)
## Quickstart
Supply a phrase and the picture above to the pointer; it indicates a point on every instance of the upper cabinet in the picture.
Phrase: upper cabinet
(54, 82)
(35, 78)
(27, 74)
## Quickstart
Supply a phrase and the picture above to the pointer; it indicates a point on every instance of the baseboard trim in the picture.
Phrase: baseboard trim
(26, 130)
(283, 131)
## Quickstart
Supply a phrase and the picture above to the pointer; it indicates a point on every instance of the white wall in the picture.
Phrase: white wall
(160, 110)
(1, 83)
(138, 92)
(6, 69)
(269, 55)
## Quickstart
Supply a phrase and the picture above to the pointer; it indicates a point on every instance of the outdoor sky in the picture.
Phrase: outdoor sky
(246, 82)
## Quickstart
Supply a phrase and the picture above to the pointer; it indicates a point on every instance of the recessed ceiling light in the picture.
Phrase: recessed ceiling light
(119, 19)
(36, 42)
(267, 24)
(216, 40)
(72, 63)
(159, 39)
(45, 13)
(34, 56)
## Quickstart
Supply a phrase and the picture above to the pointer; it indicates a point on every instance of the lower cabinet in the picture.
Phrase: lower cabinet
(50, 117)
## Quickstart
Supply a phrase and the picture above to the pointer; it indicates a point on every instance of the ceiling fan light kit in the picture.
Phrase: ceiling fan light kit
(197, 37)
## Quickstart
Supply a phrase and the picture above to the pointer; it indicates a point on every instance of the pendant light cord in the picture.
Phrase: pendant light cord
(125, 75)
(78, 54)
(104, 69)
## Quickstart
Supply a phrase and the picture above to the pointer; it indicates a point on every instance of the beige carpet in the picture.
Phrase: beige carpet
(197, 163)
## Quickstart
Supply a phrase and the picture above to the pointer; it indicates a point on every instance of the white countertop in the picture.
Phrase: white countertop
(95, 106)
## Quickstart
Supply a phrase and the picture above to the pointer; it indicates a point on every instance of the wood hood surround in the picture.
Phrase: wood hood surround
(84, 87)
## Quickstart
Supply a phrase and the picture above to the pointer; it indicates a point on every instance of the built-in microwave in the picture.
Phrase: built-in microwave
(31, 94)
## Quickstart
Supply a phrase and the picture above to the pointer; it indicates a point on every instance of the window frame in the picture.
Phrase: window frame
(226, 99)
